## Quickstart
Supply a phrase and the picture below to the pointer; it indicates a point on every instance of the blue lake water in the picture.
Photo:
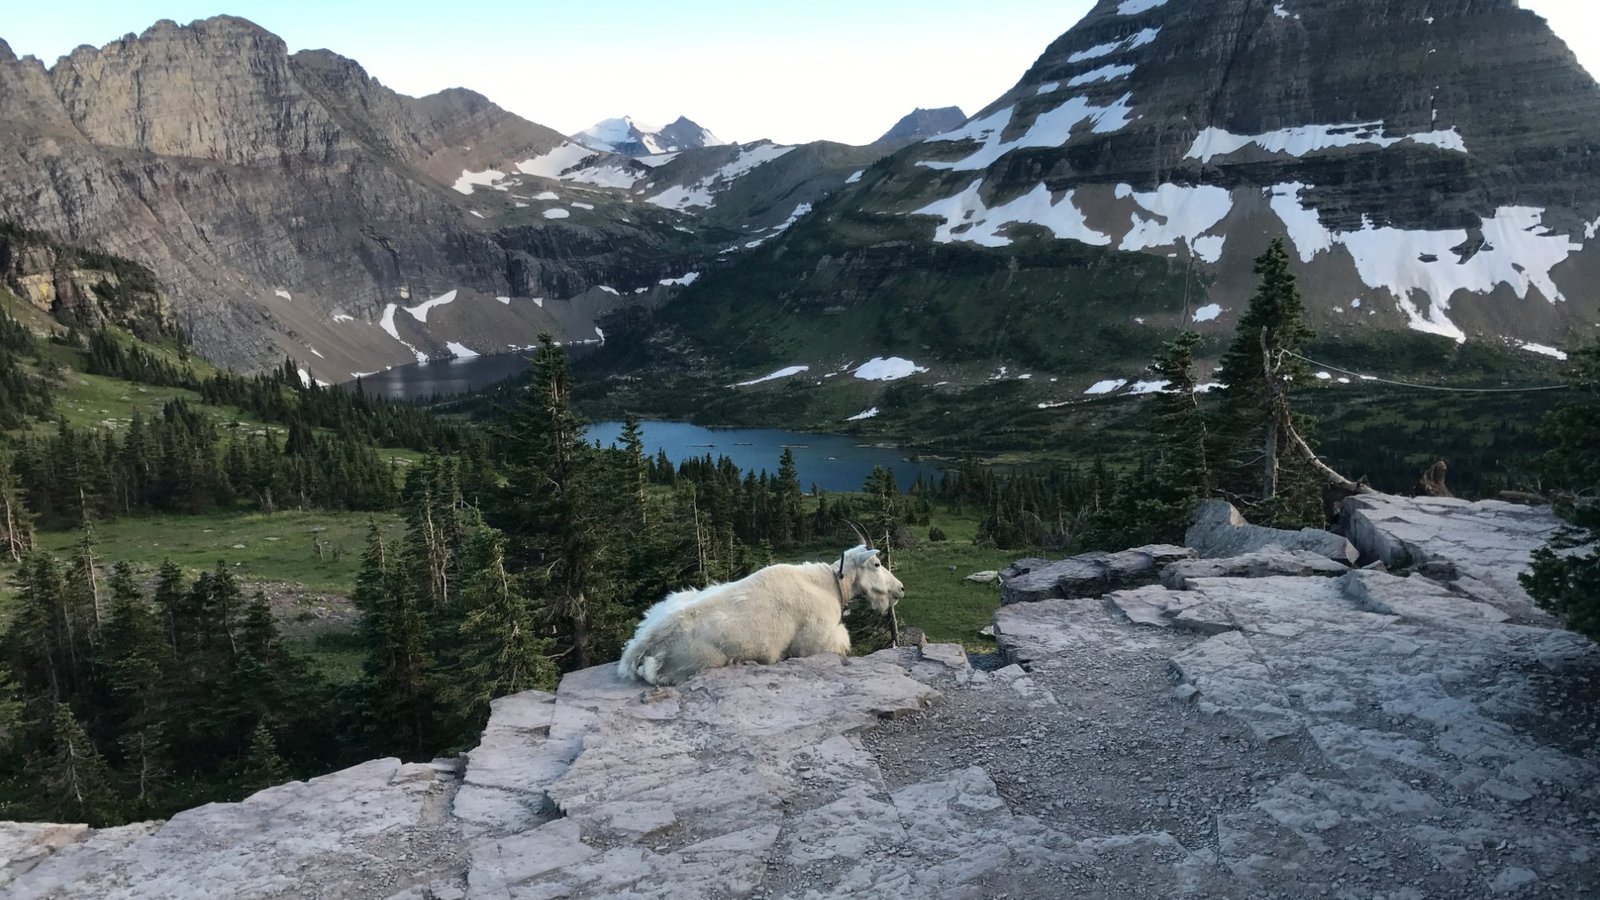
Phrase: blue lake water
(832, 462)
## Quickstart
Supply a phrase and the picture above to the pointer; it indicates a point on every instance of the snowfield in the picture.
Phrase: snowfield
(460, 351)
(860, 416)
(1308, 139)
(1208, 313)
(790, 372)
(981, 225)
(891, 369)
(1107, 386)
(420, 312)
(1051, 129)
(1421, 269)
(1178, 215)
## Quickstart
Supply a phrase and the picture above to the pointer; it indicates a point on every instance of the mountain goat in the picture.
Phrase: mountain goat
(779, 612)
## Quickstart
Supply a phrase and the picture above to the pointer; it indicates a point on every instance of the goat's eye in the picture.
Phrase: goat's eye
(877, 565)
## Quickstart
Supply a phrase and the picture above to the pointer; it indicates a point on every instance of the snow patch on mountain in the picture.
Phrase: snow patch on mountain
(1544, 350)
(888, 369)
(1208, 313)
(1129, 43)
(862, 416)
(1134, 7)
(789, 372)
(1107, 386)
(681, 281)
(700, 193)
(470, 180)
(1104, 73)
(967, 219)
(1518, 251)
(461, 351)
(557, 214)
(1178, 215)
(1050, 129)
(1307, 139)
(420, 311)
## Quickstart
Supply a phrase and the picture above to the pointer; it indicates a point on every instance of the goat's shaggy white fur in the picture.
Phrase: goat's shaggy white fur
(779, 612)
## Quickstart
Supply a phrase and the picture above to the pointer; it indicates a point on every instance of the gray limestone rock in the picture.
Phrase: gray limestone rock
(1086, 575)
(1269, 560)
(1220, 531)
(1479, 548)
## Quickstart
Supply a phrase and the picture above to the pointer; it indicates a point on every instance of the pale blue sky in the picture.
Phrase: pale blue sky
(836, 69)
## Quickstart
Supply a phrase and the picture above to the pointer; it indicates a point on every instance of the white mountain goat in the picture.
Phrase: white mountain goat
(779, 612)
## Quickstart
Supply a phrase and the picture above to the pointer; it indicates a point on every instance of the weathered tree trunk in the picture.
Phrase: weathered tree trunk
(1274, 409)
(1327, 471)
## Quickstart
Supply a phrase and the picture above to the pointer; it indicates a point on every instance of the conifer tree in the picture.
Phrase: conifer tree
(1565, 577)
(264, 767)
(637, 469)
(16, 524)
(1255, 419)
(549, 510)
(501, 652)
(75, 775)
(131, 651)
(398, 672)
(788, 522)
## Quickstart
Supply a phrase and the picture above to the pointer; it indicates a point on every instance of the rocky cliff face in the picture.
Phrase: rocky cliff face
(294, 206)
(1431, 164)
(85, 288)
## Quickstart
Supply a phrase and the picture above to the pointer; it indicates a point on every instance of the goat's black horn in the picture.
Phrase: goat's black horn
(861, 533)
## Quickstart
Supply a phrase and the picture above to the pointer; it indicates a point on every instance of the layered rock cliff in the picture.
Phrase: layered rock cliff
(293, 205)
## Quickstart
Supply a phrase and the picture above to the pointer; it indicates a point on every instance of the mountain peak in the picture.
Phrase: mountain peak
(925, 123)
(629, 137)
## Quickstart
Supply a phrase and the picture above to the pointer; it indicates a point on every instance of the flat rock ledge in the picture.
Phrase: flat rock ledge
(1254, 735)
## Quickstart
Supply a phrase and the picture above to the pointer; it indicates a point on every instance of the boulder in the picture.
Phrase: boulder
(1086, 575)
(1220, 531)
(1479, 548)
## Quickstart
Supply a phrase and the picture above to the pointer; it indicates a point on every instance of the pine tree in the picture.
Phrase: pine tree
(398, 672)
(501, 652)
(264, 767)
(788, 522)
(130, 652)
(637, 469)
(549, 509)
(16, 524)
(1255, 419)
(75, 775)
(1565, 577)
(1181, 474)
(883, 520)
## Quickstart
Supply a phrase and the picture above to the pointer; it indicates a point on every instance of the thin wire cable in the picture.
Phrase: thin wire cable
(1429, 387)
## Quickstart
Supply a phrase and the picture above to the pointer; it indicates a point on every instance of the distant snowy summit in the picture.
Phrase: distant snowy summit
(630, 138)
(925, 123)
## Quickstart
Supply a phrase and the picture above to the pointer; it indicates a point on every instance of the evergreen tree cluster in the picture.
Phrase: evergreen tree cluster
(127, 704)
(184, 462)
(446, 626)
(282, 397)
(1565, 577)
(23, 395)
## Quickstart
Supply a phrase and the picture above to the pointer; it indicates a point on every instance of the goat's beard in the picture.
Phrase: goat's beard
(880, 602)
